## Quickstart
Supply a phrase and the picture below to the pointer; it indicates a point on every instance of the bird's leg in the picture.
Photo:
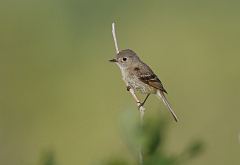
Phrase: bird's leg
(141, 104)
(134, 95)
(140, 107)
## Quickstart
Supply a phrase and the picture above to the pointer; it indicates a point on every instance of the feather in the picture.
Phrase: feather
(165, 101)
(152, 80)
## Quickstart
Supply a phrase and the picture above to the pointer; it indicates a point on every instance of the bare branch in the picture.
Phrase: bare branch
(141, 108)
(114, 37)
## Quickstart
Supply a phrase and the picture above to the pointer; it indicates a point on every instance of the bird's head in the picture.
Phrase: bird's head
(125, 58)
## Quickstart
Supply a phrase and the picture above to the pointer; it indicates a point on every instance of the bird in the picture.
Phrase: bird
(139, 76)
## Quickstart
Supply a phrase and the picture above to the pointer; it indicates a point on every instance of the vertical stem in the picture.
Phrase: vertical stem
(141, 108)
(140, 156)
(115, 38)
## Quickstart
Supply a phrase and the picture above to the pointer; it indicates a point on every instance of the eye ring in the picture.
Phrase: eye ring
(124, 59)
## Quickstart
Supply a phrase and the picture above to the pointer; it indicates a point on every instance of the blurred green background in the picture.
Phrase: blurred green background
(59, 93)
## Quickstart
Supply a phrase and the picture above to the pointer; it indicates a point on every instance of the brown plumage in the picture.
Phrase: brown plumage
(139, 76)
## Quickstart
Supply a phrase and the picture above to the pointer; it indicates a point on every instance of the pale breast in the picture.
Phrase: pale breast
(134, 82)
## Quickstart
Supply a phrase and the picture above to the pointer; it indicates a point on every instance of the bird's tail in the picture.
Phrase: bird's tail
(164, 99)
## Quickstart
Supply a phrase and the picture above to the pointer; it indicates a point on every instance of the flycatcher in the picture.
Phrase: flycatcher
(138, 76)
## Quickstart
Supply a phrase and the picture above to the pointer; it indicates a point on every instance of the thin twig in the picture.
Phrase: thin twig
(114, 37)
(141, 108)
(140, 156)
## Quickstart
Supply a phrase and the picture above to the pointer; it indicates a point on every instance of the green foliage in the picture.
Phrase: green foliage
(48, 158)
(195, 148)
(150, 139)
(116, 161)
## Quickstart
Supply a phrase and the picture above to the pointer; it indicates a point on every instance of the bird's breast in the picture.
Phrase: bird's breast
(134, 82)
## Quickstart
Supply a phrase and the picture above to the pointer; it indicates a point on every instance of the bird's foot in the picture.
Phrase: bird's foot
(140, 105)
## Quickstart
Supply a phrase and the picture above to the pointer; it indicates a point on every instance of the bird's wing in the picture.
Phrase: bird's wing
(147, 76)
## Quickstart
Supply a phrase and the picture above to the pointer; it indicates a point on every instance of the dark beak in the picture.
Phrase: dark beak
(113, 60)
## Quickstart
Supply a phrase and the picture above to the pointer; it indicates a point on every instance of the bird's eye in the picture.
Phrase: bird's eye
(124, 59)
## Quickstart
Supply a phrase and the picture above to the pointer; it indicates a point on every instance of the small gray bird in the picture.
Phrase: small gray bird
(138, 76)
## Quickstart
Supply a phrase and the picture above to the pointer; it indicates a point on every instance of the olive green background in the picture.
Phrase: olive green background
(59, 93)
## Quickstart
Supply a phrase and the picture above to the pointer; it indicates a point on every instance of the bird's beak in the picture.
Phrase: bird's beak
(113, 60)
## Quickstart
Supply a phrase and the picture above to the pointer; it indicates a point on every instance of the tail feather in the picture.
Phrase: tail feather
(165, 101)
